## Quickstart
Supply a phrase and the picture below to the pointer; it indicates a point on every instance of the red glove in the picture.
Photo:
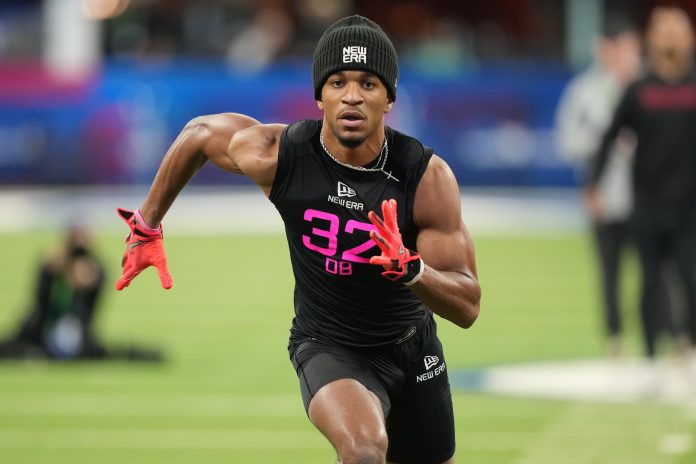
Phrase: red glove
(144, 248)
(401, 264)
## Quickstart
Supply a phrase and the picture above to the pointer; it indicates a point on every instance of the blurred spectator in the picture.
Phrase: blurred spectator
(444, 49)
(313, 16)
(59, 324)
(261, 42)
(660, 108)
(164, 20)
(583, 115)
(20, 29)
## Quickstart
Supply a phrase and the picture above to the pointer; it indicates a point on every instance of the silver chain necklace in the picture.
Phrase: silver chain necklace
(383, 152)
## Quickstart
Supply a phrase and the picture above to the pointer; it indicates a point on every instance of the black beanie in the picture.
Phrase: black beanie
(355, 43)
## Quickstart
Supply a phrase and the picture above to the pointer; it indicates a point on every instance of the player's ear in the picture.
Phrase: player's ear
(320, 105)
(388, 107)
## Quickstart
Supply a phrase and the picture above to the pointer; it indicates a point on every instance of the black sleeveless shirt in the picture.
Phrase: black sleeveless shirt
(339, 295)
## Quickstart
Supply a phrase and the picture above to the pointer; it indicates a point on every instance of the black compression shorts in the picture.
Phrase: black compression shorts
(409, 378)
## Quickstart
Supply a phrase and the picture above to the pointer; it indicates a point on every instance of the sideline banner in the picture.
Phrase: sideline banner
(493, 124)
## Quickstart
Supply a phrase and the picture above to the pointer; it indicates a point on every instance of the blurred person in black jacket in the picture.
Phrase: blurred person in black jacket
(660, 109)
(59, 324)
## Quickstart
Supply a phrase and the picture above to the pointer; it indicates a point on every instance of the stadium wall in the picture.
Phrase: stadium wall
(492, 123)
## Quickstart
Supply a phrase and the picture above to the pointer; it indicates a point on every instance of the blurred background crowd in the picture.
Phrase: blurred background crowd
(93, 91)
(285, 29)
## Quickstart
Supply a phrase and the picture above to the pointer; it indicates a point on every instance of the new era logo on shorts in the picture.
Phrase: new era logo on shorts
(430, 361)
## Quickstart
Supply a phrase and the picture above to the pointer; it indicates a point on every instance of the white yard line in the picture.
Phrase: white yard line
(580, 437)
(143, 405)
(131, 438)
(217, 210)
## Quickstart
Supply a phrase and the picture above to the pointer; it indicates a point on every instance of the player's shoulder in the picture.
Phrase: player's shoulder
(272, 130)
(302, 131)
(401, 140)
(436, 202)
(438, 172)
(411, 151)
(262, 138)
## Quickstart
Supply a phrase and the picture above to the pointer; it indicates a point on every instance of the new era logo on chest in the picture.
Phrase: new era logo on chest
(344, 190)
(355, 54)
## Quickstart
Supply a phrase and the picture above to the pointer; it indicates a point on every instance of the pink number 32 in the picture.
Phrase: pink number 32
(331, 235)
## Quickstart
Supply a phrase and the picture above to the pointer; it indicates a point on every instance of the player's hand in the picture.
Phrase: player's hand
(400, 263)
(144, 248)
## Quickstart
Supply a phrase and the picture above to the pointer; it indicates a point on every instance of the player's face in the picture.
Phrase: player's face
(354, 104)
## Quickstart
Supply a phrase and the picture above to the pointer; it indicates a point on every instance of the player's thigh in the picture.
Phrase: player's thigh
(345, 411)
(342, 396)
(319, 363)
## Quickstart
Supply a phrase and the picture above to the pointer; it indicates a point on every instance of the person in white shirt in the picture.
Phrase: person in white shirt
(584, 113)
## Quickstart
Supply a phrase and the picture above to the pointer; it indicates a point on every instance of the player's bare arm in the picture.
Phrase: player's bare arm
(234, 142)
(449, 284)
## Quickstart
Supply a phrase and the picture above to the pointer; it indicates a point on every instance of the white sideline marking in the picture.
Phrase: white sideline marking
(602, 380)
(220, 210)
(675, 443)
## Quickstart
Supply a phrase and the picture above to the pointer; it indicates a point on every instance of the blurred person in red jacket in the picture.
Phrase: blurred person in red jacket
(660, 109)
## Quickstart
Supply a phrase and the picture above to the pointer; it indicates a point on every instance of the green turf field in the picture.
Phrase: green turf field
(228, 393)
